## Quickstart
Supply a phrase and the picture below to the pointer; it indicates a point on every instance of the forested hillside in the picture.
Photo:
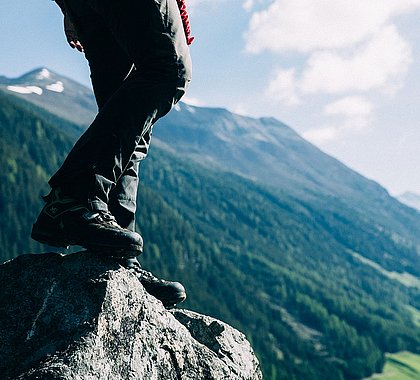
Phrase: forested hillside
(291, 273)
(30, 150)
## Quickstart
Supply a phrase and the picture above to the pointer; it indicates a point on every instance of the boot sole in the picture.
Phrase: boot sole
(49, 240)
(129, 251)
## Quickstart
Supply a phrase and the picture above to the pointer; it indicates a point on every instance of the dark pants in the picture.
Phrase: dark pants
(146, 37)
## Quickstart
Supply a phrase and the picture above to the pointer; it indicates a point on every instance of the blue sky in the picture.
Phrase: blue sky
(344, 74)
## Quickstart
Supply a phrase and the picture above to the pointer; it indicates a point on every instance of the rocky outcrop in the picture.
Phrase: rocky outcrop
(81, 317)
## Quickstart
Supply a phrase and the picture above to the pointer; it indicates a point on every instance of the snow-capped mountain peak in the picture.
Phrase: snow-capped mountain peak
(44, 73)
(58, 94)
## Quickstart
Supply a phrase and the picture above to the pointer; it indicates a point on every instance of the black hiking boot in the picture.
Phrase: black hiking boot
(65, 221)
(168, 292)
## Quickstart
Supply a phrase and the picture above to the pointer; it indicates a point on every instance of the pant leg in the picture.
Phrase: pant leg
(151, 34)
(109, 66)
(100, 47)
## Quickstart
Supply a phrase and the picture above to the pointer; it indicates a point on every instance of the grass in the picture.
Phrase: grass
(404, 278)
(415, 315)
(400, 366)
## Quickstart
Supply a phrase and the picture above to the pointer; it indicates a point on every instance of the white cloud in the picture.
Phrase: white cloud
(384, 59)
(338, 130)
(346, 46)
(351, 49)
(307, 25)
(240, 109)
(193, 101)
(248, 4)
(380, 63)
(283, 88)
(321, 135)
(353, 114)
(350, 106)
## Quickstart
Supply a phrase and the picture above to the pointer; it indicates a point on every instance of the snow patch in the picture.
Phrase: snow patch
(56, 87)
(26, 89)
(43, 74)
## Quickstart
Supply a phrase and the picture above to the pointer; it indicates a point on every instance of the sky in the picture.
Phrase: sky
(343, 74)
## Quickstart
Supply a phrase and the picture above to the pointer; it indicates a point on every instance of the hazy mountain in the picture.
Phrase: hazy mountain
(322, 276)
(410, 199)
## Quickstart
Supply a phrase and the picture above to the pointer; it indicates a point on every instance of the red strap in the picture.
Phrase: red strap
(185, 22)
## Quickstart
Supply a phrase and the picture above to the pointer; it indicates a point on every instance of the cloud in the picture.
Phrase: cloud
(248, 5)
(322, 135)
(381, 61)
(283, 87)
(346, 46)
(307, 25)
(349, 49)
(193, 101)
(338, 130)
(350, 106)
(353, 114)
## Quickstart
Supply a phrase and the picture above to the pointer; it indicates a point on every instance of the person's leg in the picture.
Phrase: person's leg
(65, 220)
(151, 34)
(109, 66)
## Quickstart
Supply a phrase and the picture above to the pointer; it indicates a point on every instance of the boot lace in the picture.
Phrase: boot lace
(103, 217)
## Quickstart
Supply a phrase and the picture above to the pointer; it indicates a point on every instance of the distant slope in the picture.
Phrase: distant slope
(271, 153)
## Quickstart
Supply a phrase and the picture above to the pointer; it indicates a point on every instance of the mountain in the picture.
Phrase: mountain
(323, 279)
(55, 93)
(410, 199)
(264, 150)
(268, 152)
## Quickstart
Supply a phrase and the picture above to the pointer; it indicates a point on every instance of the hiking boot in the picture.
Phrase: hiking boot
(168, 292)
(64, 221)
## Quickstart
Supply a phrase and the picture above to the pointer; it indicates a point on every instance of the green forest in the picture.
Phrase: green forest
(285, 271)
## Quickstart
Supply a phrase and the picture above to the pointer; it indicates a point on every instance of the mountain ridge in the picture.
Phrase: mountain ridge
(267, 151)
(220, 117)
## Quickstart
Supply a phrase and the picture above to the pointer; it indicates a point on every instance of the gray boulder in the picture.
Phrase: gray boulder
(84, 317)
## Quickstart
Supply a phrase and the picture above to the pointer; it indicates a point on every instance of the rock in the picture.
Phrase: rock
(81, 317)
